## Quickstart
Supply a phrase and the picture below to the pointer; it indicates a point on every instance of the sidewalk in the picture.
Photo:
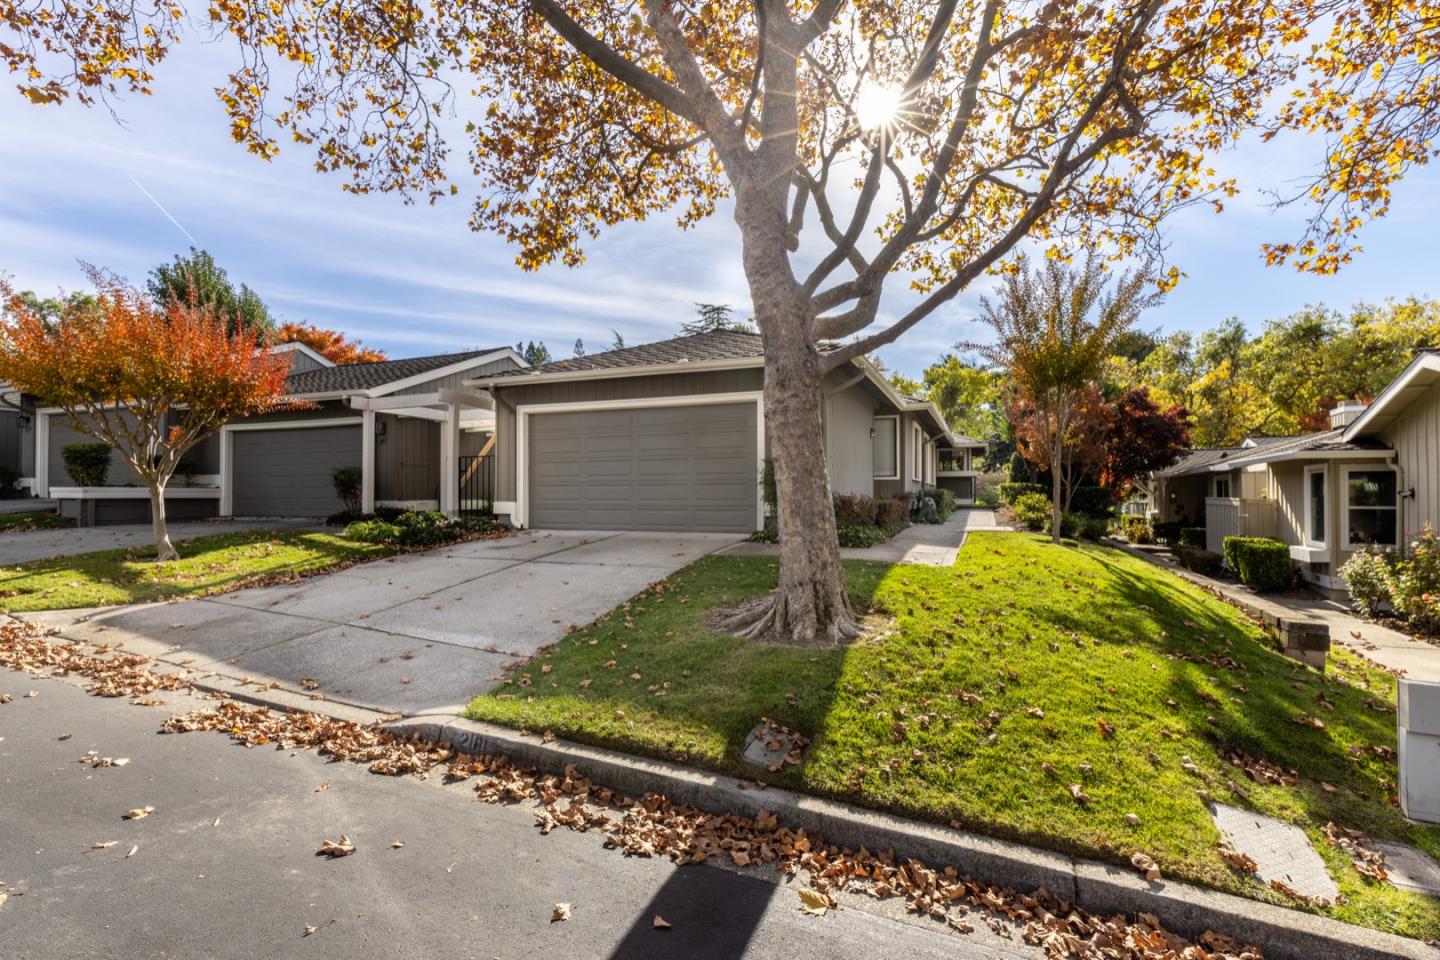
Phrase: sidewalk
(931, 544)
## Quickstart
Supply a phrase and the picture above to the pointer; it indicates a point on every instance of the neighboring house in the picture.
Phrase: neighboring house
(406, 423)
(671, 436)
(1370, 480)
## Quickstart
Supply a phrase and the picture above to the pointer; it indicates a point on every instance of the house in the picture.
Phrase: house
(671, 436)
(408, 424)
(1370, 480)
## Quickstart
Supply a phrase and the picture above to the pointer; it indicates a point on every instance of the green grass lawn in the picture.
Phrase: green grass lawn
(34, 520)
(207, 565)
(993, 686)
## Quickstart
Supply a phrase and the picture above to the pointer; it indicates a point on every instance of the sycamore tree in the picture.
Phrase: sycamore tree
(859, 146)
(1054, 327)
(151, 381)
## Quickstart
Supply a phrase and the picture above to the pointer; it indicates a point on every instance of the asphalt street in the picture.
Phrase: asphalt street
(226, 865)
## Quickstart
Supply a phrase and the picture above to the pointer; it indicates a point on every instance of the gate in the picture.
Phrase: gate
(477, 485)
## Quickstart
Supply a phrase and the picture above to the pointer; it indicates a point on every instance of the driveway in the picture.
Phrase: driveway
(409, 634)
(69, 541)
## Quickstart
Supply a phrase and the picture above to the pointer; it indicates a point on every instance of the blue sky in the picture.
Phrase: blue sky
(415, 279)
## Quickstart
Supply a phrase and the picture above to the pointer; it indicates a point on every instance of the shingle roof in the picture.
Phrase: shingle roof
(1197, 461)
(694, 348)
(365, 376)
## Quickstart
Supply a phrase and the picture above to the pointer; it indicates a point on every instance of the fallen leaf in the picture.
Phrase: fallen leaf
(322, 788)
(397, 844)
(133, 850)
(336, 848)
(104, 845)
(309, 930)
(1147, 866)
(813, 902)
(1132, 819)
(32, 694)
(561, 912)
(1078, 792)
(660, 923)
(139, 813)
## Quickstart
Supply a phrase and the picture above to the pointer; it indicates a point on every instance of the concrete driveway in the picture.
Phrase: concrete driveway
(69, 541)
(408, 634)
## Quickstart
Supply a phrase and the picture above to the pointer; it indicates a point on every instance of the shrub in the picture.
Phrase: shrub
(923, 508)
(1010, 492)
(1367, 574)
(989, 497)
(944, 503)
(9, 482)
(1261, 563)
(863, 536)
(347, 481)
(1069, 525)
(1205, 562)
(892, 511)
(372, 531)
(854, 510)
(417, 529)
(1193, 536)
(1165, 532)
(87, 463)
(1092, 528)
(1092, 501)
(1032, 510)
(1415, 582)
(1137, 530)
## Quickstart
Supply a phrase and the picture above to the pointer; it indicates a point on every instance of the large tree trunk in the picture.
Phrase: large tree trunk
(164, 549)
(1057, 452)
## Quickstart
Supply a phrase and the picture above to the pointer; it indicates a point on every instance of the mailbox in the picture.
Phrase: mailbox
(1418, 718)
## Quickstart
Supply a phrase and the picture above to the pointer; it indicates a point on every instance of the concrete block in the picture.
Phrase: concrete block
(1418, 706)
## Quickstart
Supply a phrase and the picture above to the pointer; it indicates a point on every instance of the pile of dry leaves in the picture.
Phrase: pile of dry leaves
(112, 673)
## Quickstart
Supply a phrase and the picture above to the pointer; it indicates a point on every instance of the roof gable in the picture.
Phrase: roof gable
(383, 375)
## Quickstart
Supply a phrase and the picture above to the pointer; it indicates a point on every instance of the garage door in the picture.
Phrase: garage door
(286, 473)
(653, 468)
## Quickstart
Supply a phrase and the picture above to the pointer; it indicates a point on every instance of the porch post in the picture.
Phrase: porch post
(450, 461)
(367, 461)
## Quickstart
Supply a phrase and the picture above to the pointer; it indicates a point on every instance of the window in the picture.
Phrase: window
(917, 453)
(1315, 506)
(1222, 487)
(1372, 507)
(885, 437)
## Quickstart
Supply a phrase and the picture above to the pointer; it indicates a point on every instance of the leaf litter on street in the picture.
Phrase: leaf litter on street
(647, 826)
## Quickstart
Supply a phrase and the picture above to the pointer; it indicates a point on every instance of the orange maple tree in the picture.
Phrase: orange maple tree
(330, 344)
(151, 381)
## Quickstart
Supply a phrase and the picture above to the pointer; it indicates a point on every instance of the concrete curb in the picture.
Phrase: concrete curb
(1100, 888)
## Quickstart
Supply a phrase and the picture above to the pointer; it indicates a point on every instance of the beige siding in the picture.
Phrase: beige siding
(1287, 489)
(849, 451)
(590, 391)
(1415, 438)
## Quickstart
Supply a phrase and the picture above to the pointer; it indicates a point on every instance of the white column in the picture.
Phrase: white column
(367, 461)
(450, 461)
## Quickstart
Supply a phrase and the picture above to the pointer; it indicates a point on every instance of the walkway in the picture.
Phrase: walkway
(931, 544)
(23, 547)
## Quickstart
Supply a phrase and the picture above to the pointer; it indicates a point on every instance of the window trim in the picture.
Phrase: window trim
(1346, 543)
(875, 467)
(1305, 527)
(917, 453)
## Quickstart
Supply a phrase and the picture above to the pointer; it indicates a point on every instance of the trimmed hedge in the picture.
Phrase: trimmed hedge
(1192, 537)
(87, 463)
(1261, 563)
(1010, 492)
(1204, 562)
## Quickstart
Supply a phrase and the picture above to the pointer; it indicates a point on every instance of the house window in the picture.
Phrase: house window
(1315, 506)
(885, 434)
(917, 453)
(1222, 487)
(1372, 507)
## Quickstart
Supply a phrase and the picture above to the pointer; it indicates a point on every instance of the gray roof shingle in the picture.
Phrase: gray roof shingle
(366, 376)
(694, 348)
(1263, 449)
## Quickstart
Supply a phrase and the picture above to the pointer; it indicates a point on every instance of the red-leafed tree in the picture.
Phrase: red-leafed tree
(151, 381)
(1140, 438)
(330, 344)
(1072, 454)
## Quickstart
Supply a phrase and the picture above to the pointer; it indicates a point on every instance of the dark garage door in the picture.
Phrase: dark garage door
(286, 473)
(652, 468)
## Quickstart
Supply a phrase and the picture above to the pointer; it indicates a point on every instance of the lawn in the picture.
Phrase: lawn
(991, 687)
(207, 565)
(34, 520)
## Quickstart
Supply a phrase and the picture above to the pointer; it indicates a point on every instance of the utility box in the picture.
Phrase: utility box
(1418, 718)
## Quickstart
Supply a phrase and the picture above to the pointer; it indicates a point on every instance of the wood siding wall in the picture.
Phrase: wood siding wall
(407, 459)
(849, 450)
(1415, 438)
(10, 436)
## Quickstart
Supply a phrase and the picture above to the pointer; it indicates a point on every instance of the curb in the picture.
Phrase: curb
(1100, 888)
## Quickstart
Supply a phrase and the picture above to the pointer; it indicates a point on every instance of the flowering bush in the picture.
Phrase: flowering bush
(1367, 574)
(1415, 582)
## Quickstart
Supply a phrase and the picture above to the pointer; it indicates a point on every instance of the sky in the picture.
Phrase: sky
(130, 190)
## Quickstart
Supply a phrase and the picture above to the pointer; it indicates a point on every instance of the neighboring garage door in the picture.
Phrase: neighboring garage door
(286, 473)
(650, 468)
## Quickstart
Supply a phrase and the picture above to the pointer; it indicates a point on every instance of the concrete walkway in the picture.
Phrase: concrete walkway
(418, 632)
(931, 544)
(31, 545)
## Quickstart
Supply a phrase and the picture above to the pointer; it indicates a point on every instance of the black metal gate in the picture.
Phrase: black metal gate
(477, 485)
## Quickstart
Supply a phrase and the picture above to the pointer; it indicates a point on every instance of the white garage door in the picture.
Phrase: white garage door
(652, 468)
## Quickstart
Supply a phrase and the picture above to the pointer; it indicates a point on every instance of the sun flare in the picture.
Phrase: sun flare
(878, 106)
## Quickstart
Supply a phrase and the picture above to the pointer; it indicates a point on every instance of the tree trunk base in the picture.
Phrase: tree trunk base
(772, 619)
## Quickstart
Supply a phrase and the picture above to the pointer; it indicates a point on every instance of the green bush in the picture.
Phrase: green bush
(1032, 510)
(989, 497)
(1205, 562)
(372, 531)
(1367, 574)
(863, 536)
(1092, 501)
(1092, 528)
(1261, 563)
(1069, 525)
(944, 503)
(1137, 530)
(1193, 536)
(1415, 583)
(418, 529)
(87, 463)
(1165, 532)
(348, 481)
(1010, 492)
